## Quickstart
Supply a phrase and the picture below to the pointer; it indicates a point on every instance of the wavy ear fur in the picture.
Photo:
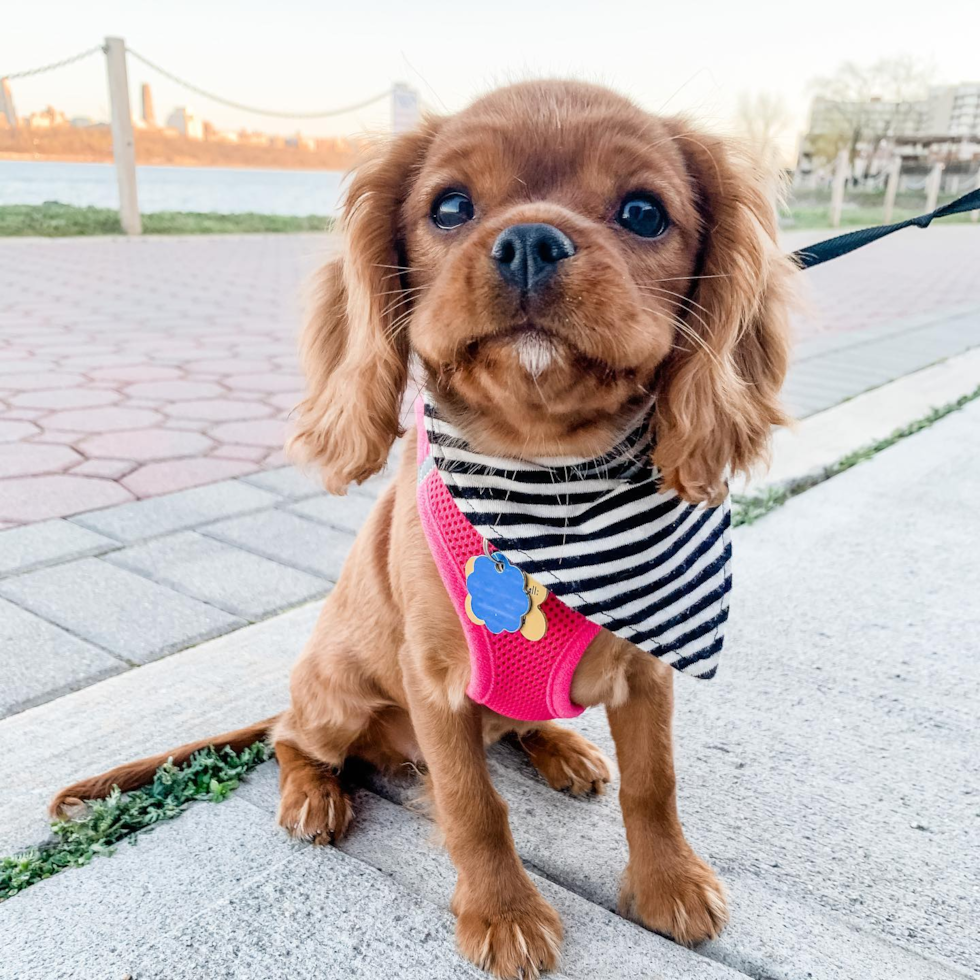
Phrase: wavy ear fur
(354, 357)
(718, 394)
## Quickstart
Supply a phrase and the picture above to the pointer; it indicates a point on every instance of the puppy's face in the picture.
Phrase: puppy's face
(551, 236)
(557, 259)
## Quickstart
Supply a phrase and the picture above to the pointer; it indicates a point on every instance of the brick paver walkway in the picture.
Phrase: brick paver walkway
(133, 368)
(909, 274)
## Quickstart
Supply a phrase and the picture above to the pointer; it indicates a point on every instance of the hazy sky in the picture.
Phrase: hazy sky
(681, 56)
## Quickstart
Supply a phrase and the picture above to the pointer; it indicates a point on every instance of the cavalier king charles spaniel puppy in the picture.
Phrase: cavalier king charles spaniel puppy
(552, 264)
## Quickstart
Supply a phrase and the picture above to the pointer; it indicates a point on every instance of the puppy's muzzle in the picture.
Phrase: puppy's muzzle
(527, 256)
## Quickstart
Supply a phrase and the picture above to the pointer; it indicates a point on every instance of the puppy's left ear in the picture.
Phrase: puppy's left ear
(354, 350)
(718, 394)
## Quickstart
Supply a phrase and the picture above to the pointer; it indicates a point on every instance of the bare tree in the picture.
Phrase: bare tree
(762, 119)
(863, 105)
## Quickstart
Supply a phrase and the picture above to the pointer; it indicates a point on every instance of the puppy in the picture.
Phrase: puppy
(643, 277)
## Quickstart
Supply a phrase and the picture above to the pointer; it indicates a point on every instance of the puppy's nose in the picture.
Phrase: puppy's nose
(528, 255)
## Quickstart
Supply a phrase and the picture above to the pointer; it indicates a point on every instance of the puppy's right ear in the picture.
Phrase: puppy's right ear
(354, 353)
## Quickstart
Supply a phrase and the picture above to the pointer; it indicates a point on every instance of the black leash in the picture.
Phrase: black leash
(807, 258)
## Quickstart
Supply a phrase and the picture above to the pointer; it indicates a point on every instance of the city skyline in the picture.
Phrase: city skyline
(182, 120)
(695, 61)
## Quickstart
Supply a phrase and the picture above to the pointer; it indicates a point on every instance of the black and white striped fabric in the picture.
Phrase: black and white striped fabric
(603, 538)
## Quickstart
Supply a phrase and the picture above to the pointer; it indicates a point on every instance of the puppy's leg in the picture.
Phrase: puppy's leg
(503, 924)
(566, 759)
(667, 887)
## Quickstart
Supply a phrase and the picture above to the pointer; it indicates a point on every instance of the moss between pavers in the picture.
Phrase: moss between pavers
(54, 220)
(748, 509)
(210, 774)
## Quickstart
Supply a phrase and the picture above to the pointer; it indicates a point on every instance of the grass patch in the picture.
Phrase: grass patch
(210, 774)
(819, 217)
(54, 220)
(868, 210)
(748, 509)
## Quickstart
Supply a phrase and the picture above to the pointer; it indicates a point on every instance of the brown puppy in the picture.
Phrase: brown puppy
(684, 299)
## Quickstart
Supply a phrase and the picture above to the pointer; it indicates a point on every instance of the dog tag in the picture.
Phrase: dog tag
(496, 593)
(502, 598)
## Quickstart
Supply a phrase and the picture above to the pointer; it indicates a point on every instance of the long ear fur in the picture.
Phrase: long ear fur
(718, 395)
(354, 356)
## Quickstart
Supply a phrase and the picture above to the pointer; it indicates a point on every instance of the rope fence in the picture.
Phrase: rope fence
(54, 64)
(404, 108)
(197, 90)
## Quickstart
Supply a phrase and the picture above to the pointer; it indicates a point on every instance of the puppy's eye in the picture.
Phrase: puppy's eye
(643, 215)
(452, 210)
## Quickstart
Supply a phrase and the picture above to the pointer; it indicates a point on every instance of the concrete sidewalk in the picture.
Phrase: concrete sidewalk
(830, 773)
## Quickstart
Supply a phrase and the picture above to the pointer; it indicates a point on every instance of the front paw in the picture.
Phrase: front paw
(517, 938)
(314, 807)
(678, 896)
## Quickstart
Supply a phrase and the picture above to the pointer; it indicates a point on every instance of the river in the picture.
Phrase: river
(215, 189)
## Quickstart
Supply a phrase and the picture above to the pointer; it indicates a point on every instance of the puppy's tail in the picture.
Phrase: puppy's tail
(133, 775)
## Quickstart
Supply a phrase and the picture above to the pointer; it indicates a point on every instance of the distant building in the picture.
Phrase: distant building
(954, 110)
(149, 114)
(186, 123)
(404, 108)
(253, 138)
(944, 126)
(81, 122)
(7, 104)
(301, 142)
(47, 119)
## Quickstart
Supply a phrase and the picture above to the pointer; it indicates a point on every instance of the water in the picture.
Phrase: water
(218, 189)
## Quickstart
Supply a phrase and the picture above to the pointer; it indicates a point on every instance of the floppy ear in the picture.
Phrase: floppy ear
(718, 393)
(354, 356)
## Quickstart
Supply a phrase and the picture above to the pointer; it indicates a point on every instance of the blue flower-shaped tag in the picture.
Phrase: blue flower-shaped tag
(497, 593)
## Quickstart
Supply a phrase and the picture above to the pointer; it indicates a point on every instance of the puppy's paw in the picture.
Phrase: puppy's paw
(314, 808)
(680, 897)
(517, 940)
(567, 760)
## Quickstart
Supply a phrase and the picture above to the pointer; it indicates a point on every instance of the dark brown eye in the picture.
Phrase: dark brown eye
(643, 215)
(452, 210)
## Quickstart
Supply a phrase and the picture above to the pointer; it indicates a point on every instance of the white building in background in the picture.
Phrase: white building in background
(405, 111)
(954, 110)
(944, 127)
(186, 123)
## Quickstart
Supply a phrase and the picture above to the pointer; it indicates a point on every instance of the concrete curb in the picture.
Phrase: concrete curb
(802, 454)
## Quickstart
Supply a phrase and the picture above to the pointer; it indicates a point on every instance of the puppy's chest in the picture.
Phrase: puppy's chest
(609, 548)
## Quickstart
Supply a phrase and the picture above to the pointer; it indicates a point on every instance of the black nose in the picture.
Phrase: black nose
(527, 255)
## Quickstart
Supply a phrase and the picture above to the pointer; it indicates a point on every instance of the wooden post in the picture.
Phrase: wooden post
(932, 186)
(891, 189)
(837, 190)
(123, 143)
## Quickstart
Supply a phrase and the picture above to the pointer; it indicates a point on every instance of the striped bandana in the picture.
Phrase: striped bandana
(603, 537)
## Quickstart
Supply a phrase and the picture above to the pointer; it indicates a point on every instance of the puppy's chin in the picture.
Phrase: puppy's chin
(536, 352)
(528, 393)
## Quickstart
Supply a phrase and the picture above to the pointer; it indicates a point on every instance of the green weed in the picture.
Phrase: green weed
(210, 774)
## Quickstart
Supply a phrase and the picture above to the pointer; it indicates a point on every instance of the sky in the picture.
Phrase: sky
(679, 57)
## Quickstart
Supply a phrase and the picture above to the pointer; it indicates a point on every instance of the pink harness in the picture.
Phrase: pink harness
(518, 678)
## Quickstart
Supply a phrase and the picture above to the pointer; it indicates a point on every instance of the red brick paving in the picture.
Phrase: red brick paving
(915, 272)
(134, 368)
